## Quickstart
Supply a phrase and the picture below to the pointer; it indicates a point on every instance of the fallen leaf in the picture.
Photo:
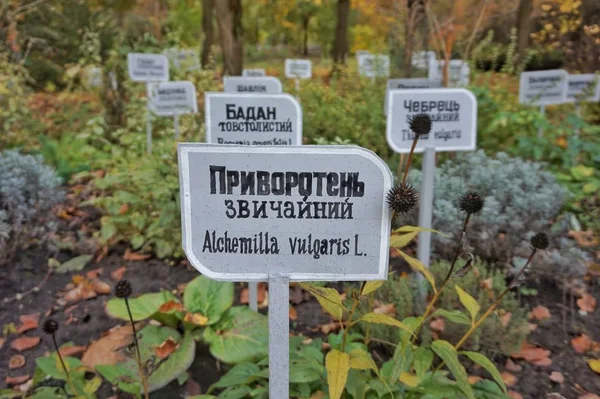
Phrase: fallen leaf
(532, 354)
(196, 318)
(594, 365)
(28, 322)
(540, 313)
(585, 239)
(24, 388)
(473, 379)
(135, 256)
(16, 380)
(486, 284)
(95, 273)
(330, 327)
(100, 287)
(293, 313)
(389, 309)
(589, 396)
(16, 362)
(25, 343)
(117, 275)
(72, 350)
(508, 378)
(123, 209)
(545, 362)
(171, 306)
(515, 395)
(74, 264)
(505, 319)
(2, 341)
(108, 349)
(101, 253)
(512, 366)
(557, 377)
(587, 303)
(437, 325)
(166, 348)
(532, 326)
(582, 343)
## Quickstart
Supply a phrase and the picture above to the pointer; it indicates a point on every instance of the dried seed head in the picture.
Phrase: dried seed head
(540, 241)
(420, 124)
(50, 327)
(471, 202)
(123, 289)
(402, 198)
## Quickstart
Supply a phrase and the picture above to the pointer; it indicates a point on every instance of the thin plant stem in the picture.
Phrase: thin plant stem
(355, 302)
(370, 301)
(409, 160)
(137, 349)
(64, 366)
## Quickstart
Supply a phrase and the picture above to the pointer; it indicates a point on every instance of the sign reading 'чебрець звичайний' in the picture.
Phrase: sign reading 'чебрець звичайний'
(310, 212)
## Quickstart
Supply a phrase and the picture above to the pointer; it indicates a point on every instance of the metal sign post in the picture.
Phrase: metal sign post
(149, 118)
(540, 132)
(176, 125)
(281, 214)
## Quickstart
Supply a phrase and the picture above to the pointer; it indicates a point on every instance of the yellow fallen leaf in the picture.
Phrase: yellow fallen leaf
(594, 365)
(409, 380)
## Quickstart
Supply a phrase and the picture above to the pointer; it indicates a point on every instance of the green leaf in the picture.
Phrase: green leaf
(239, 374)
(108, 229)
(202, 397)
(302, 371)
(41, 393)
(418, 266)
(468, 302)
(580, 172)
(328, 298)
(418, 229)
(400, 241)
(337, 364)
(240, 335)
(402, 360)
(455, 316)
(208, 297)
(486, 389)
(371, 286)
(488, 365)
(52, 367)
(422, 362)
(449, 355)
(142, 307)
(235, 392)
(379, 318)
(361, 360)
(74, 264)
(121, 376)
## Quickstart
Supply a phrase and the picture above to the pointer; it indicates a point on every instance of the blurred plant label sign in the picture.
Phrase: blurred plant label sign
(374, 65)
(298, 69)
(307, 212)
(254, 72)
(458, 71)
(413, 83)
(171, 98)
(184, 59)
(253, 119)
(452, 111)
(147, 67)
(584, 87)
(239, 84)
(543, 87)
(359, 53)
(420, 59)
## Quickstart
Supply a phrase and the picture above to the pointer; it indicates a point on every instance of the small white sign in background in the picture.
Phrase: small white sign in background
(543, 87)
(298, 69)
(254, 72)
(239, 84)
(171, 98)
(584, 83)
(374, 65)
(253, 119)
(309, 212)
(420, 59)
(409, 83)
(452, 111)
(184, 59)
(458, 71)
(147, 67)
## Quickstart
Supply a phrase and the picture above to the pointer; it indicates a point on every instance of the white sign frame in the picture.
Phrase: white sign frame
(159, 58)
(540, 101)
(189, 87)
(249, 80)
(288, 68)
(183, 151)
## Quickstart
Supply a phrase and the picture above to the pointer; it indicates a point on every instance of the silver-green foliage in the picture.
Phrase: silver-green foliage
(28, 191)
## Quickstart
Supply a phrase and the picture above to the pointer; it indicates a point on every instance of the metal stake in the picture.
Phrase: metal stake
(543, 113)
(426, 208)
(149, 119)
(279, 336)
(176, 125)
(253, 295)
(578, 113)
(298, 88)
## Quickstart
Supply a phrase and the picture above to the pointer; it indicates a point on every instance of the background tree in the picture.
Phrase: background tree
(208, 30)
(523, 27)
(229, 21)
(340, 44)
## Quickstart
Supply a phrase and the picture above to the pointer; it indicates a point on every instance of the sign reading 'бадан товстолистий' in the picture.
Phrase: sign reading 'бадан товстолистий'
(310, 212)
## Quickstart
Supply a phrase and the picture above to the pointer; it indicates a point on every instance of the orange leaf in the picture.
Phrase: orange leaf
(473, 379)
(505, 319)
(582, 343)
(109, 348)
(486, 284)
(531, 353)
(171, 306)
(72, 350)
(540, 313)
(587, 303)
(2, 341)
(293, 313)
(589, 396)
(135, 256)
(545, 362)
(25, 343)
(557, 377)
(389, 309)
(16, 362)
(16, 380)
(512, 366)
(196, 318)
(28, 322)
(123, 209)
(166, 348)
(509, 379)
(515, 395)
(437, 325)
(94, 273)
(100, 287)
(117, 274)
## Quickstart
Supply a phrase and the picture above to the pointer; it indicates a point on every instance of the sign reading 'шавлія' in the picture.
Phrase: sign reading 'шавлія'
(170, 98)
(409, 83)
(239, 84)
(452, 111)
(253, 119)
(147, 67)
(310, 213)
(543, 87)
(584, 87)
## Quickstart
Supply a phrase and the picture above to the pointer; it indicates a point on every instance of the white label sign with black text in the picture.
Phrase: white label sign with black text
(298, 69)
(452, 111)
(184, 59)
(253, 119)
(253, 72)
(147, 67)
(170, 98)
(374, 65)
(458, 71)
(307, 212)
(584, 87)
(409, 83)
(543, 87)
(239, 84)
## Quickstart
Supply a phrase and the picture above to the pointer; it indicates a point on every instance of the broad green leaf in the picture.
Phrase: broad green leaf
(337, 364)
(488, 365)
(208, 297)
(235, 392)
(423, 359)
(122, 376)
(108, 229)
(239, 374)
(361, 360)
(468, 302)
(240, 335)
(412, 323)
(455, 316)
(401, 361)
(41, 393)
(400, 241)
(449, 355)
(379, 318)
(202, 397)
(302, 371)
(371, 286)
(357, 384)
(418, 266)
(486, 389)
(142, 307)
(74, 264)
(52, 367)
(580, 172)
(328, 298)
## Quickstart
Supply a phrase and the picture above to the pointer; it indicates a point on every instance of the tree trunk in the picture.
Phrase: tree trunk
(413, 16)
(305, 38)
(229, 20)
(209, 32)
(340, 44)
(523, 27)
